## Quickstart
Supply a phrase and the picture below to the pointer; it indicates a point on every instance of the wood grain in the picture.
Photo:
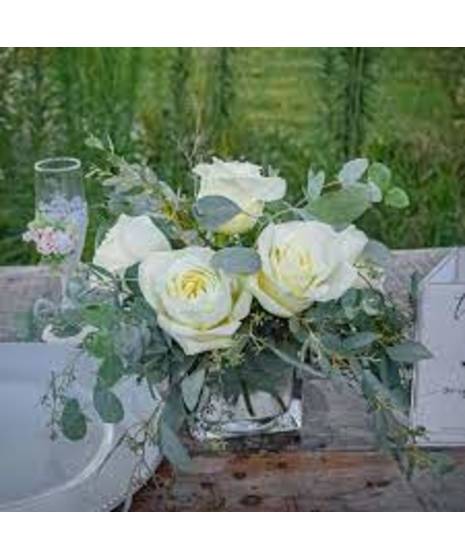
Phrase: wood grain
(298, 481)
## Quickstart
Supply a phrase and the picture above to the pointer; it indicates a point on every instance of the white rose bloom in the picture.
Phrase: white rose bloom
(197, 305)
(304, 262)
(243, 184)
(128, 242)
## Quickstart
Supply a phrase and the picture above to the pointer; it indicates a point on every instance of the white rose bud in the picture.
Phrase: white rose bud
(128, 242)
(304, 262)
(243, 184)
(197, 305)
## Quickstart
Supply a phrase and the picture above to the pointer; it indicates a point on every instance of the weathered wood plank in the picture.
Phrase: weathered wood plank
(295, 481)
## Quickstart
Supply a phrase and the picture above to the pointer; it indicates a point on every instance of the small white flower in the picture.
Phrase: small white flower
(242, 183)
(128, 242)
(197, 305)
(304, 262)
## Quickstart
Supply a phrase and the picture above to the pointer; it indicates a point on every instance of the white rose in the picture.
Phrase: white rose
(243, 184)
(197, 305)
(304, 262)
(128, 242)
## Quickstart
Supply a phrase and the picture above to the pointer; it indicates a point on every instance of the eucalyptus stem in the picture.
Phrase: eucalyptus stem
(247, 399)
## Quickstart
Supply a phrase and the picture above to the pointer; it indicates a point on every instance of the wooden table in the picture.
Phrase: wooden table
(331, 466)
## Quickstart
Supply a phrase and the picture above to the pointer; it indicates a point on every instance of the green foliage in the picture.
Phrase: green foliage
(349, 77)
(73, 420)
(237, 259)
(409, 352)
(107, 405)
(213, 211)
(340, 207)
(220, 100)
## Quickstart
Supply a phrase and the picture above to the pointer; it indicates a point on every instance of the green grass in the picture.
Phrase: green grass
(276, 106)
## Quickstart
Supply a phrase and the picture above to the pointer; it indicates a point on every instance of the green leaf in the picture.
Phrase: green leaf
(332, 342)
(372, 302)
(237, 260)
(108, 406)
(99, 316)
(172, 448)
(352, 171)
(73, 421)
(359, 340)
(93, 142)
(377, 253)
(380, 175)
(110, 371)
(396, 197)
(349, 303)
(340, 207)
(213, 211)
(191, 388)
(409, 352)
(372, 386)
(295, 327)
(315, 184)
(174, 413)
(371, 191)
(98, 344)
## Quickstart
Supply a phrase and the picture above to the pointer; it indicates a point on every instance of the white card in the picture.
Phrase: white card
(438, 397)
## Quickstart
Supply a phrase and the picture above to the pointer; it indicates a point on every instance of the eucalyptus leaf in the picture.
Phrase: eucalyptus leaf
(398, 398)
(352, 171)
(315, 184)
(408, 352)
(372, 302)
(372, 191)
(174, 413)
(191, 388)
(99, 315)
(396, 197)
(350, 303)
(237, 260)
(340, 207)
(377, 253)
(332, 342)
(359, 340)
(110, 371)
(73, 422)
(213, 211)
(380, 175)
(108, 406)
(172, 448)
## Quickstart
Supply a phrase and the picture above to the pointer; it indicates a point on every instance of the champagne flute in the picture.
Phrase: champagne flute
(60, 204)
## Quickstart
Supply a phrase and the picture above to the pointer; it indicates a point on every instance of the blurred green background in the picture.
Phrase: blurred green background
(288, 108)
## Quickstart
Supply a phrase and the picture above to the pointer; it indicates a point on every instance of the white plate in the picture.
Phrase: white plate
(38, 474)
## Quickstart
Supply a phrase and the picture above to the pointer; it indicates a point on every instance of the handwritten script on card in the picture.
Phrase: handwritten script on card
(438, 401)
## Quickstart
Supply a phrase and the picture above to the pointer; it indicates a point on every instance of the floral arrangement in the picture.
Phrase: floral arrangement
(234, 292)
(56, 228)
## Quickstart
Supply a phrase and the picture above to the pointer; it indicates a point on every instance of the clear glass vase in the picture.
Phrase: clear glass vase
(60, 204)
(247, 409)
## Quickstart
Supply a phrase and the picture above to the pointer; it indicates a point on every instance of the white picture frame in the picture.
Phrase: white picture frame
(438, 389)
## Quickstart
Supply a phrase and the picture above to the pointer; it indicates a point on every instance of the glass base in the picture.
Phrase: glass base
(218, 419)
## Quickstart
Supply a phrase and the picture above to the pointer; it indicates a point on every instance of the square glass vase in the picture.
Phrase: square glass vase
(221, 414)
